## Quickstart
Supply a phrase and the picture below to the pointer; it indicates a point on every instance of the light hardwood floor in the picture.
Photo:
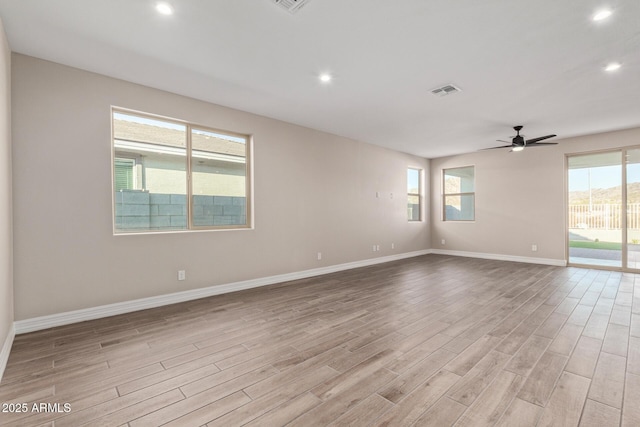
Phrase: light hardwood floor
(432, 340)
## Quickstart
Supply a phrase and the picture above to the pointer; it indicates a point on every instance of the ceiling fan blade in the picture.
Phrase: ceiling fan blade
(502, 146)
(502, 140)
(540, 144)
(534, 140)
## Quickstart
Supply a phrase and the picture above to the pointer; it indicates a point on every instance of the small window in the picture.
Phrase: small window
(459, 194)
(172, 175)
(123, 174)
(414, 190)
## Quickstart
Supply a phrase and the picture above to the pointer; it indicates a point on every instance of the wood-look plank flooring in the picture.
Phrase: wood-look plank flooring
(432, 340)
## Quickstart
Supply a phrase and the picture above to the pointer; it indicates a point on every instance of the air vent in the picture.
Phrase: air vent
(291, 6)
(445, 90)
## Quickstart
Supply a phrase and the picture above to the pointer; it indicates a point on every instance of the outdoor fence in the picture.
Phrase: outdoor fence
(603, 216)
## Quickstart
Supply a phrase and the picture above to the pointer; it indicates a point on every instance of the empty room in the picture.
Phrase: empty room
(319, 212)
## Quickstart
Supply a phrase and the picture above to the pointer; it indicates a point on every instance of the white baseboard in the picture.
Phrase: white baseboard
(500, 257)
(50, 321)
(6, 349)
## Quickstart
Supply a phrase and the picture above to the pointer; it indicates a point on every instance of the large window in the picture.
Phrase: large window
(172, 175)
(414, 200)
(458, 194)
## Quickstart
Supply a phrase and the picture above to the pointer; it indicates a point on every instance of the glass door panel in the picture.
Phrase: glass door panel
(633, 208)
(595, 211)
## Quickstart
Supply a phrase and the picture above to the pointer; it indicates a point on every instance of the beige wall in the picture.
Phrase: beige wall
(314, 192)
(520, 198)
(6, 245)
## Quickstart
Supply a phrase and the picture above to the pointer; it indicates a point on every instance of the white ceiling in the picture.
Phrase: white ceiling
(536, 63)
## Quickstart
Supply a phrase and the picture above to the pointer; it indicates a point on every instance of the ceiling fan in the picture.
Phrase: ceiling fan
(518, 142)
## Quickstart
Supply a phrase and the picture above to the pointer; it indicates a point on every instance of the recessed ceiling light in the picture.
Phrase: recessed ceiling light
(325, 78)
(613, 66)
(164, 8)
(602, 14)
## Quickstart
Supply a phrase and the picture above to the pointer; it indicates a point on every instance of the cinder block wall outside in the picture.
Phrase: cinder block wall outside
(139, 209)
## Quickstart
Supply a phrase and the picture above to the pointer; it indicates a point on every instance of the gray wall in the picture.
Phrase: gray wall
(313, 192)
(6, 245)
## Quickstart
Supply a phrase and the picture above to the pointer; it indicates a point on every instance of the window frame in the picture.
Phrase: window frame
(461, 194)
(418, 194)
(189, 127)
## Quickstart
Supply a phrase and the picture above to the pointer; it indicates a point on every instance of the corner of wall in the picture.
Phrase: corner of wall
(7, 331)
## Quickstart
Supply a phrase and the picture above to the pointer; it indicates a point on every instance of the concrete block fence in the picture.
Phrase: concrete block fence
(141, 210)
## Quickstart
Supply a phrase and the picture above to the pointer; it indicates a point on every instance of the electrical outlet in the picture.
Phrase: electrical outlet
(319, 256)
(377, 248)
(393, 246)
(442, 241)
(534, 248)
(182, 275)
(374, 248)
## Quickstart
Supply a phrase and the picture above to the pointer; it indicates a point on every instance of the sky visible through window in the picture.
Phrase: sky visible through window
(601, 177)
(413, 180)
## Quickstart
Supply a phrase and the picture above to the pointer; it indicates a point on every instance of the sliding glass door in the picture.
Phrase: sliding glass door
(595, 207)
(604, 209)
(632, 178)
